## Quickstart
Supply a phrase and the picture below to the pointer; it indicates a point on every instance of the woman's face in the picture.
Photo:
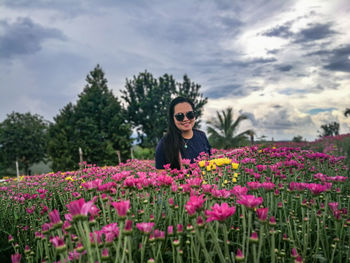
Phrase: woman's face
(186, 124)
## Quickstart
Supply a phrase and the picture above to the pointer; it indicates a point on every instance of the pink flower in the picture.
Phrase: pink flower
(79, 207)
(16, 258)
(111, 231)
(55, 217)
(238, 190)
(294, 253)
(194, 203)
(316, 189)
(333, 206)
(145, 227)
(170, 230)
(262, 213)
(122, 207)
(250, 201)
(239, 255)
(57, 242)
(220, 212)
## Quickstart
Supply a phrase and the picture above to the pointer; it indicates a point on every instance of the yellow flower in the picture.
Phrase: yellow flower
(201, 164)
(204, 182)
(214, 167)
(208, 168)
(259, 151)
(235, 175)
(235, 165)
(188, 175)
(68, 178)
(234, 180)
(203, 173)
(225, 182)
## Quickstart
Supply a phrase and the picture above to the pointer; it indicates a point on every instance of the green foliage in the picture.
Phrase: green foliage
(222, 130)
(144, 153)
(147, 100)
(96, 124)
(330, 129)
(347, 112)
(297, 138)
(23, 138)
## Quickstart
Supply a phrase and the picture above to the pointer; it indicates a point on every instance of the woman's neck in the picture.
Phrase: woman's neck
(187, 134)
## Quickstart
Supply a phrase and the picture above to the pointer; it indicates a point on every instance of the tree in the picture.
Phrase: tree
(347, 112)
(147, 100)
(222, 130)
(96, 124)
(62, 145)
(23, 138)
(297, 138)
(330, 129)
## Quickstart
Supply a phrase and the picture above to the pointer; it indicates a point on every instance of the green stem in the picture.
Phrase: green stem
(216, 243)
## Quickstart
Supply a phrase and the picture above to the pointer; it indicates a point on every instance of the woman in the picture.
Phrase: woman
(181, 140)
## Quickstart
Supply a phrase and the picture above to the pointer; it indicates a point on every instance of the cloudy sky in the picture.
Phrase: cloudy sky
(284, 63)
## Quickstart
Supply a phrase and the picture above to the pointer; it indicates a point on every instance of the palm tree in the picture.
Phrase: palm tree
(222, 130)
(347, 112)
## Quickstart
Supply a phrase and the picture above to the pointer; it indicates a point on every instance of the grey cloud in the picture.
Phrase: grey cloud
(283, 68)
(314, 32)
(235, 90)
(282, 31)
(339, 59)
(24, 37)
(336, 59)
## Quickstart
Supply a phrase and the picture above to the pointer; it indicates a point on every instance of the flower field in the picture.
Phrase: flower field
(247, 205)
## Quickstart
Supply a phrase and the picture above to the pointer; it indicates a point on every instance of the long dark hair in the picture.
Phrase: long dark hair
(173, 140)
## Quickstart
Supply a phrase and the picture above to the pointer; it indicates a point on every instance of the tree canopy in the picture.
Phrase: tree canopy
(147, 100)
(96, 124)
(223, 128)
(23, 138)
(330, 129)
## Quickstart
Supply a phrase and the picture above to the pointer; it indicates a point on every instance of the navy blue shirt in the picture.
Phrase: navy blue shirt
(196, 145)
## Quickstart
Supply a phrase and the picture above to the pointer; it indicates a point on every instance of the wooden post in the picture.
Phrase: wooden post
(17, 170)
(132, 152)
(81, 158)
(118, 154)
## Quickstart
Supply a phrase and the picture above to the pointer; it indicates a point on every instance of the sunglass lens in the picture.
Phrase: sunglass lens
(180, 117)
(190, 115)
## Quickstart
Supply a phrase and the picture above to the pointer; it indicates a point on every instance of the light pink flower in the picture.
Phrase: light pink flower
(122, 207)
(220, 212)
(145, 227)
(54, 216)
(250, 201)
(79, 207)
(16, 258)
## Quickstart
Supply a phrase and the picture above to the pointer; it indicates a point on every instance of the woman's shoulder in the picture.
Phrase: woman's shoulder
(199, 132)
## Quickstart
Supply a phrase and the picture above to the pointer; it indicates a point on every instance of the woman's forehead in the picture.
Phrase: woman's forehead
(182, 107)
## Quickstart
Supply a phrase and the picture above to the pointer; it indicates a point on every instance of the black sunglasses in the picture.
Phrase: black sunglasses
(180, 116)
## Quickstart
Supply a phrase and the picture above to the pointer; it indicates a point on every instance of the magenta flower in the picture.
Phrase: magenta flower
(55, 217)
(110, 231)
(262, 213)
(122, 207)
(239, 255)
(16, 258)
(128, 226)
(333, 206)
(79, 207)
(57, 241)
(220, 212)
(250, 201)
(294, 253)
(195, 203)
(170, 230)
(316, 189)
(145, 227)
